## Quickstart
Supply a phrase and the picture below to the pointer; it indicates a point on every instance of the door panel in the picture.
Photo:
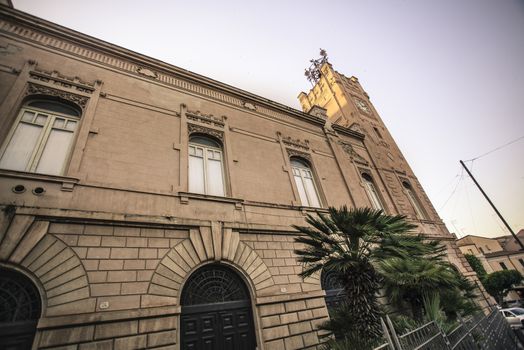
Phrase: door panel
(218, 328)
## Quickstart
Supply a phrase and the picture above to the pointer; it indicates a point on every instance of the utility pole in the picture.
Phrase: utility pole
(493, 206)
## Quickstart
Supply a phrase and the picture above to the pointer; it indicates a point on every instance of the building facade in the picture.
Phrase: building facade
(146, 206)
(497, 254)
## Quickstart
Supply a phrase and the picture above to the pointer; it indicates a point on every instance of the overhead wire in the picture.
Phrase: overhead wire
(495, 149)
(460, 178)
(469, 208)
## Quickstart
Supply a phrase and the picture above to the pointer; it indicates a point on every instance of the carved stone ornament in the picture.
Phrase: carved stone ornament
(383, 143)
(199, 129)
(147, 72)
(297, 143)
(353, 155)
(62, 81)
(318, 111)
(208, 119)
(356, 127)
(250, 106)
(296, 153)
(9, 49)
(35, 89)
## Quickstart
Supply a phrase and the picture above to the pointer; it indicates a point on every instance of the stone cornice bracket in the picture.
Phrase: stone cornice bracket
(353, 155)
(36, 89)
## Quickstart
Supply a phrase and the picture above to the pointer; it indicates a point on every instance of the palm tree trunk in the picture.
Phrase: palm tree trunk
(361, 284)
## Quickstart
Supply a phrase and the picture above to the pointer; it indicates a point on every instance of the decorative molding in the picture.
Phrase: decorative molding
(35, 89)
(383, 143)
(63, 81)
(147, 72)
(9, 69)
(356, 127)
(250, 106)
(296, 153)
(199, 129)
(353, 155)
(318, 111)
(206, 245)
(166, 75)
(208, 119)
(297, 143)
(351, 83)
(9, 49)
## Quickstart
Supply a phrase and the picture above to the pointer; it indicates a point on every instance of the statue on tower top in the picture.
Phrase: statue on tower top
(313, 72)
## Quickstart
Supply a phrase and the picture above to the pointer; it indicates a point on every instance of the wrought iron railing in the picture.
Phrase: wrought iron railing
(480, 332)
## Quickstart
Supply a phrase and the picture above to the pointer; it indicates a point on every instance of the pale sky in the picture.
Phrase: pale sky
(446, 76)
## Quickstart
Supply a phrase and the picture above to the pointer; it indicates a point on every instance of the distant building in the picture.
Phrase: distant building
(496, 254)
(146, 206)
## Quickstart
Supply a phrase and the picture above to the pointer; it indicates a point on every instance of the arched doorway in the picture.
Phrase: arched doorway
(20, 309)
(335, 293)
(216, 311)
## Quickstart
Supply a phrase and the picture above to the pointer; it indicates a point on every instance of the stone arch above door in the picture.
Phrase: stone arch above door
(60, 273)
(208, 244)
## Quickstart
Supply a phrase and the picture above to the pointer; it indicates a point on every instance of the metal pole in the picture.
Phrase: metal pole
(493, 206)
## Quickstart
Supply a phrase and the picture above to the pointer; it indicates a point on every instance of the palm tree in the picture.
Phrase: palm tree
(410, 280)
(346, 242)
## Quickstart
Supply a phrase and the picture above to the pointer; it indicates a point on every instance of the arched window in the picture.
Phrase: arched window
(372, 192)
(305, 182)
(206, 172)
(335, 293)
(41, 139)
(20, 309)
(414, 201)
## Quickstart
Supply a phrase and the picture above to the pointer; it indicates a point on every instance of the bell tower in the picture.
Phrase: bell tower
(347, 104)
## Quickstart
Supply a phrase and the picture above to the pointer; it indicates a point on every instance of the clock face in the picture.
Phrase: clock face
(362, 106)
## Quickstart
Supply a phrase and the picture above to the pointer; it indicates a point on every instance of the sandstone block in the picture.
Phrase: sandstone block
(115, 329)
(102, 289)
(98, 253)
(97, 345)
(111, 264)
(89, 241)
(302, 327)
(270, 321)
(136, 242)
(124, 253)
(271, 309)
(275, 332)
(293, 343)
(134, 287)
(121, 276)
(161, 338)
(131, 343)
(99, 230)
(157, 324)
(111, 241)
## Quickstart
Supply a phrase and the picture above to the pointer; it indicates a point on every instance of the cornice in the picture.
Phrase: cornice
(347, 131)
(21, 24)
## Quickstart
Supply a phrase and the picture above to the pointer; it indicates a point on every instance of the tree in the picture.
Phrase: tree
(499, 283)
(476, 265)
(347, 242)
(411, 279)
